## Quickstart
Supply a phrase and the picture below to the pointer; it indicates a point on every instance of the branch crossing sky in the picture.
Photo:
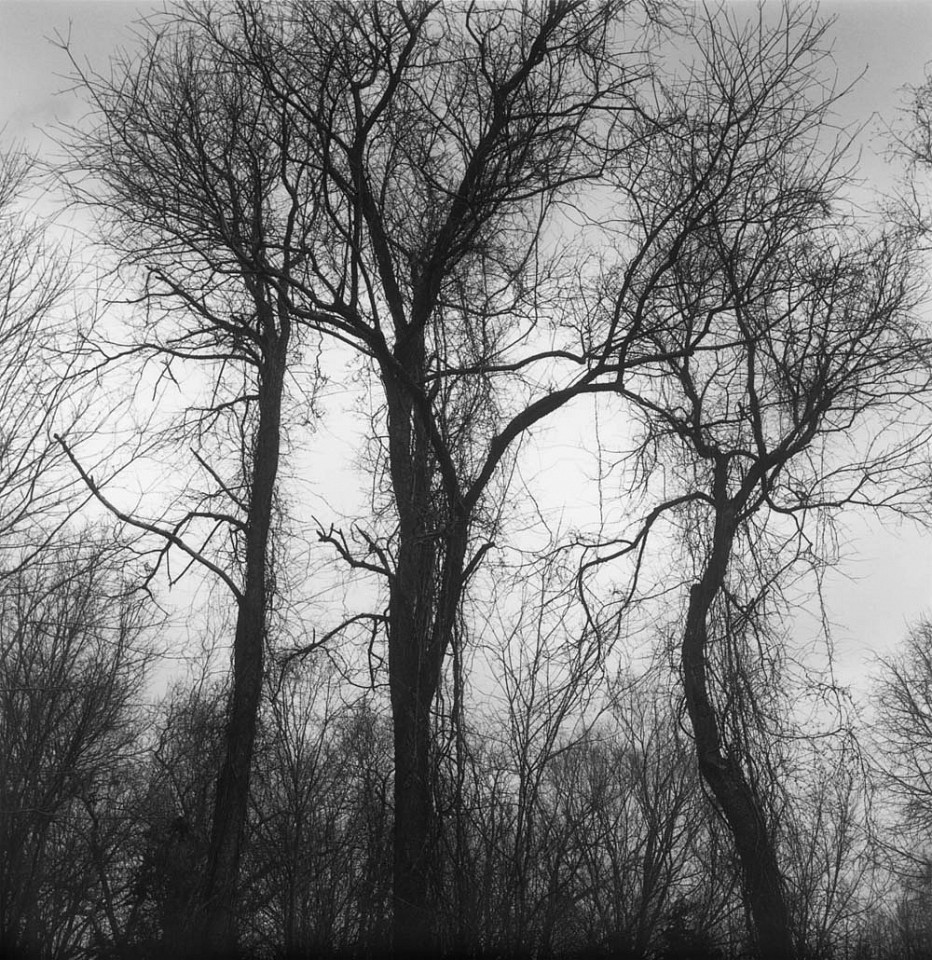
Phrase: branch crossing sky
(888, 582)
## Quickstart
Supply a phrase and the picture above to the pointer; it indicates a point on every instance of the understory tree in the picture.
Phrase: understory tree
(74, 655)
(38, 393)
(903, 734)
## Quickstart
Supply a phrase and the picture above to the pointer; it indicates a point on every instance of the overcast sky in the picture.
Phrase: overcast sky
(889, 39)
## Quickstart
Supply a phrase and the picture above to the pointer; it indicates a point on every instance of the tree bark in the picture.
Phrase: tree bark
(417, 645)
(425, 593)
(414, 932)
(739, 802)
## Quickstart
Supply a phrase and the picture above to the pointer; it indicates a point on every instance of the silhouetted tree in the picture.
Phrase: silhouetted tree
(785, 337)
(38, 393)
(383, 175)
(73, 659)
(186, 171)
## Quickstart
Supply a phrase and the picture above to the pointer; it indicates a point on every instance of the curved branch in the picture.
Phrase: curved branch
(166, 535)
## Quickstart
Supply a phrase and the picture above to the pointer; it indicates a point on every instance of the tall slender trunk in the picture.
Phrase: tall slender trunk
(426, 589)
(739, 802)
(414, 928)
(411, 684)
(417, 646)
(218, 931)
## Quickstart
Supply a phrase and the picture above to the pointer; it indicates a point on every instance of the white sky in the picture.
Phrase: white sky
(887, 583)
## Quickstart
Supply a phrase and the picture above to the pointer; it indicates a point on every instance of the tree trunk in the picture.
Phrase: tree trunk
(414, 929)
(232, 797)
(426, 588)
(763, 881)
(411, 682)
(421, 623)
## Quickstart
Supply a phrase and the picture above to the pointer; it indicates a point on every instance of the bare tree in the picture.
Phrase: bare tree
(419, 153)
(176, 792)
(547, 668)
(784, 339)
(37, 390)
(825, 847)
(188, 173)
(73, 659)
(320, 844)
(627, 794)
(903, 696)
(396, 179)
